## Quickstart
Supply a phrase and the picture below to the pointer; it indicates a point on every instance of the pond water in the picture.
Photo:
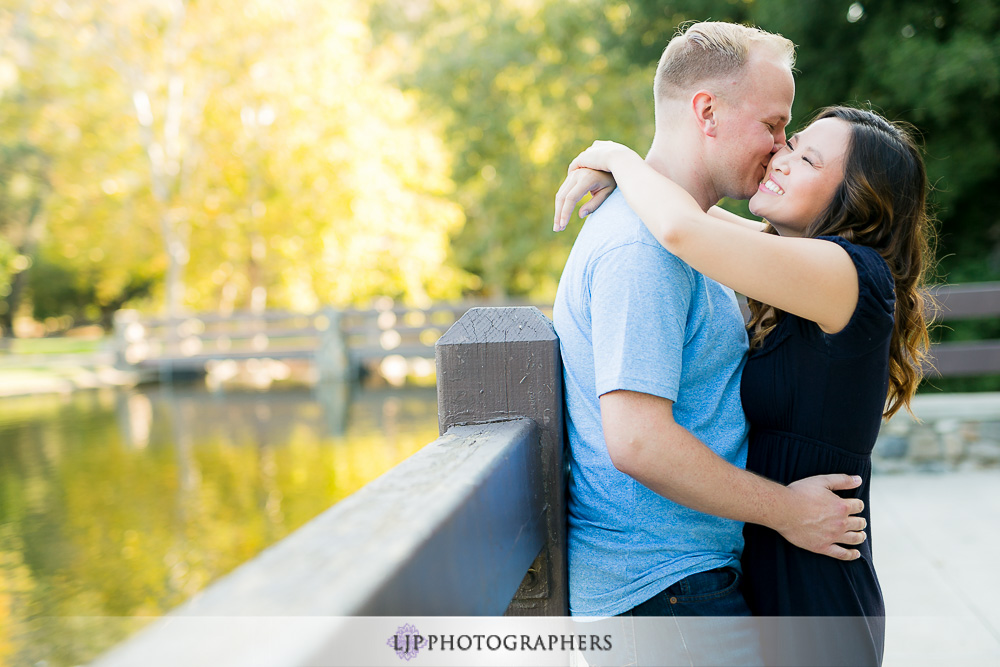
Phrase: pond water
(124, 503)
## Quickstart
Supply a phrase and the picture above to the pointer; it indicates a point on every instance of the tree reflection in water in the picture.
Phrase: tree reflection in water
(118, 505)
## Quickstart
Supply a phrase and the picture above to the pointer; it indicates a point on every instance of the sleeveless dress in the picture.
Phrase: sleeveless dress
(814, 402)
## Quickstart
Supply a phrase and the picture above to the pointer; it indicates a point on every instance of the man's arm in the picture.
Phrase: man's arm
(647, 444)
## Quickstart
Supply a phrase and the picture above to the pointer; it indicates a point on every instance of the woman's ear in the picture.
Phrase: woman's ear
(705, 107)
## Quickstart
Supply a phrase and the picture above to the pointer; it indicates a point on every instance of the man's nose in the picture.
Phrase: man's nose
(779, 142)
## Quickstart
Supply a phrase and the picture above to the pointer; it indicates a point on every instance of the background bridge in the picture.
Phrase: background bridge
(339, 342)
(342, 342)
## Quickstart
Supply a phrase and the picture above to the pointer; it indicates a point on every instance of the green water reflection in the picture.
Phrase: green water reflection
(125, 503)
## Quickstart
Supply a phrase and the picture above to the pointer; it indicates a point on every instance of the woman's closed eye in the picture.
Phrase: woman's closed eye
(806, 159)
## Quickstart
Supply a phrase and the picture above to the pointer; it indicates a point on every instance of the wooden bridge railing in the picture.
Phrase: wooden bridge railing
(966, 302)
(951, 303)
(472, 524)
(339, 342)
(342, 341)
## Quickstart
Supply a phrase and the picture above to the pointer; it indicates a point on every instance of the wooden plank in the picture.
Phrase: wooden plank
(197, 361)
(368, 354)
(954, 302)
(401, 330)
(236, 316)
(965, 359)
(414, 542)
(502, 363)
(86, 360)
(966, 301)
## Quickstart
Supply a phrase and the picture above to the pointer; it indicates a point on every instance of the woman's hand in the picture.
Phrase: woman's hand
(578, 183)
(589, 172)
(600, 156)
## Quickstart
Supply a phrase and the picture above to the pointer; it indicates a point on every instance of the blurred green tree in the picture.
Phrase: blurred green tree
(223, 155)
(933, 63)
(292, 154)
(520, 88)
(512, 77)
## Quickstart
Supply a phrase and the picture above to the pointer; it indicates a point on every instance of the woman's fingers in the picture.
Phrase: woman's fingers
(596, 201)
(559, 219)
(573, 189)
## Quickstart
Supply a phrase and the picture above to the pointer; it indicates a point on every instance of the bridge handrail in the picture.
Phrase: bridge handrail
(472, 524)
(965, 300)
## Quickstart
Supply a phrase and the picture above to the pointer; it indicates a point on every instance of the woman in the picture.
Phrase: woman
(837, 338)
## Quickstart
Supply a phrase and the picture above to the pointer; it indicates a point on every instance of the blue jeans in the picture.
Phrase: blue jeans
(700, 620)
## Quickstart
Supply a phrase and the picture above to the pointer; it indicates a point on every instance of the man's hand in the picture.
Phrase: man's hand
(645, 443)
(820, 520)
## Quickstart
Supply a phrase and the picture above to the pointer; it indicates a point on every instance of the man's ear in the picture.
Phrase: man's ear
(705, 106)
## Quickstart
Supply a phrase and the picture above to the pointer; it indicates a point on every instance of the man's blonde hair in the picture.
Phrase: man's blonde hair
(710, 50)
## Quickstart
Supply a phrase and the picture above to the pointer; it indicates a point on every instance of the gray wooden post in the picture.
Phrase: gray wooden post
(496, 364)
(122, 320)
(331, 352)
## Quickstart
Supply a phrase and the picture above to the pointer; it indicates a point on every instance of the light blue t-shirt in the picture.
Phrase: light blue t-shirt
(630, 315)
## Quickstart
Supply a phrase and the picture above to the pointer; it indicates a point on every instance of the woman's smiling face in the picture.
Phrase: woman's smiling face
(803, 176)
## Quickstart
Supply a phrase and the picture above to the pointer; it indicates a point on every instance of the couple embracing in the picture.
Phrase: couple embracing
(717, 469)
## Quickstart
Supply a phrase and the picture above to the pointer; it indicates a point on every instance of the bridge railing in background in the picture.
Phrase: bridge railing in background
(950, 431)
(472, 524)
(339, 342)
(966, 302)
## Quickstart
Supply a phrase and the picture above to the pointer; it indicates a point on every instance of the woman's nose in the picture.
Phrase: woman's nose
(780, 161)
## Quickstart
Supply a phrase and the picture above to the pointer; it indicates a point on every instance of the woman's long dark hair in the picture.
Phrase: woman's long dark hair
(882, 204)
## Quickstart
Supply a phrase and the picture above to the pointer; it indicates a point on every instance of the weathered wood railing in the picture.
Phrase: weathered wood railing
(473, 524)
(951, 303)
(965, 302)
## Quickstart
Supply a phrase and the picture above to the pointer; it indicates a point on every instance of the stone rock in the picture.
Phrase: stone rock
(891, 447)
(989, 430)
(985, 452)
(900, 424)
(954, 446)
(924, 445)
(947, 426)
(970, 431)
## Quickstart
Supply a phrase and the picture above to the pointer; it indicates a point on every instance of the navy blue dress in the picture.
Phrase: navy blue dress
(814, 402)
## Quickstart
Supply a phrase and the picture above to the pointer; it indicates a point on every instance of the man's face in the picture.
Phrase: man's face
(752, 125)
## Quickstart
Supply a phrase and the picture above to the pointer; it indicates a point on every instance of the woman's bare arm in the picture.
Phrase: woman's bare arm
(811, 278)
(728, 216)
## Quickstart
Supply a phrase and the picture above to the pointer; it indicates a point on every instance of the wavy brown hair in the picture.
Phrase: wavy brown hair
(882, 204)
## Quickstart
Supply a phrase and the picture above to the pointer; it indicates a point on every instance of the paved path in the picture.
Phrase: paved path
(936, 543)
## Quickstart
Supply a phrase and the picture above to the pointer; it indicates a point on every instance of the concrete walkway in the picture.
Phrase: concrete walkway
(936, 544)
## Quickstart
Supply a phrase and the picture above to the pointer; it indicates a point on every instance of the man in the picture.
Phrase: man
(653, 353)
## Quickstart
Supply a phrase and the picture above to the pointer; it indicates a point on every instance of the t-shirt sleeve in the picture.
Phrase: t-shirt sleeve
(640, 298)
(872, 321)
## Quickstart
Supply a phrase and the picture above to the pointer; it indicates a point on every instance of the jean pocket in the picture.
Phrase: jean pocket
(710, 585)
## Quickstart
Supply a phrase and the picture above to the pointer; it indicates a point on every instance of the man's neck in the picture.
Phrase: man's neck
(681, 163)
